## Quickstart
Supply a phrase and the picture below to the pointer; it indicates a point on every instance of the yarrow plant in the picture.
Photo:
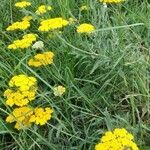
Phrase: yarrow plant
(119, 139)
(41, 115)
(25, 42)
(21, 95)
(42, 59)
(43, 9)
(21, 116)
(22, 4)
(22, 25)
(22, 89)
(85, 28)
(52, 24)
(59, 90)
(25, 116)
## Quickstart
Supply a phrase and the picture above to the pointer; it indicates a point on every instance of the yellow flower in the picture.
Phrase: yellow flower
(43, 9)
(85, 28)
(41, 116)
(43, 59)
(21, 116)
(52, 24)
(84, 7)
(22, 90)
(22, 4)
(22, 25)
(25, 116)
(25, 42)
(119, 139)
(111, 1)
(22, 80)
(59, 90)
(20, 98)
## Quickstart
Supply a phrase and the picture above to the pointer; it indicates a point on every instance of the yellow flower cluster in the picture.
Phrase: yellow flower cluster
(21, 116)
(22, 90)
(119, 139)
(25, 42)
(111, 1)
(43, 59)
(85, 28)
(41, 116)
(43, 9)
(25, 116)
(59, 90)
(52, 24)
(20, 25)
(22, 4)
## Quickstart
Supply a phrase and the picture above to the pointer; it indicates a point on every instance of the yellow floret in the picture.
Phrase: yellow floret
(43, 9)
(41, 116)
(42, 59)
(21, 116)
(22, 4)
(52, 24)
(23, 90)
(25, 42)
(23, 25)
(22, 80)
(85, 28)
(119, 139)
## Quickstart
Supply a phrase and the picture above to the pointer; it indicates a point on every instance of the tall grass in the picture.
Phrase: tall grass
(106, 75)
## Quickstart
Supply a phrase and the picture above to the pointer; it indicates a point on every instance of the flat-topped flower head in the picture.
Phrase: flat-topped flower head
(22, 90)
(42, 59)
(20, 25)
(85, 28)
(22, 4)
(59, 90)
(111, 1)
(52, 24)
(21, 116)
(41, 116)
(19, 98)
(25, 116)
(22, 80)
(25, 42)
(43, 9)
(119, 139)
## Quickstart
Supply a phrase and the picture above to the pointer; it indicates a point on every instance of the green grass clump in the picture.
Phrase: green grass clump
(106, 75)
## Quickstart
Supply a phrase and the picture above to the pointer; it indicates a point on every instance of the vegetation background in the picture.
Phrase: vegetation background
(107, 75)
